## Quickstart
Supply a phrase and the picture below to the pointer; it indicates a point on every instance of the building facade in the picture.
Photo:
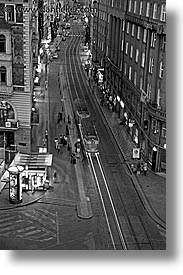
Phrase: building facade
(129, 41)
(18, 59)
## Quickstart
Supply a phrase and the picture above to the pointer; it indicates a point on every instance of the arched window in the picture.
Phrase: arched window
(6, 113)
(2, 75)
(2, 43)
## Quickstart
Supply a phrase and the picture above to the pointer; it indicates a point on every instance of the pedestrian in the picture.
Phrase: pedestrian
(102, 102)
(67, 130)
(56, 143)
(145, 168)
(61, 139)
(59, 148)
(138, 169)
(74, 158)
(141, 168)
(69, 147)
(54, 176)
(64, 140)
(68, 119)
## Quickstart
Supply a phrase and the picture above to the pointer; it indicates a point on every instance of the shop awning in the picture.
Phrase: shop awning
(33, 160)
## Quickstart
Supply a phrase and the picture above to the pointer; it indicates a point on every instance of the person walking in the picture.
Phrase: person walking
(69, 147)
(59, 148)
(54, 176)
(56, 143)
(145, 168)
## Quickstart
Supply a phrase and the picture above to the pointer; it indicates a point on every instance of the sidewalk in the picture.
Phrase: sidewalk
(27, 198)
(152, 187)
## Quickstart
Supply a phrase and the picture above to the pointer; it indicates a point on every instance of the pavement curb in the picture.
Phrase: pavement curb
(23, 204)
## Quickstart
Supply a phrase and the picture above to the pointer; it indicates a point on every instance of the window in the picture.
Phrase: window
(126, 50)
(125, 68)
(141, 7)
(135, 7)
(135, 78)
(2, 43)
(133, 28)
(2, 10)
(131, 51)
(161, 70)
(149, 88)
(137, 56)
(130, 5)
(145, 36)
(163, 13)
(10, 13)
(143, 60)
(130, 73)
(158, 98)
(123, 26)
(164, 132)
(19, 13)
(138, 32)
(155, 8)
(121, 65)
(128, 28)
(122, 45)
(147, 9)
(154, 124)
(2, 75)
(141, 83)
(153, 39)
(163, 45)
(151, 65)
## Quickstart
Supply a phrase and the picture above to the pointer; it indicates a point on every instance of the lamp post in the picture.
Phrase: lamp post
(15, 184)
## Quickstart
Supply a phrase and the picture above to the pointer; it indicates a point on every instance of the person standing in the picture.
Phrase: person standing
(54, 176)
(145, 168)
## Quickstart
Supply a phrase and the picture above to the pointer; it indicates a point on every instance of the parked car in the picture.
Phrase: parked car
(57, 48)
(63, 38)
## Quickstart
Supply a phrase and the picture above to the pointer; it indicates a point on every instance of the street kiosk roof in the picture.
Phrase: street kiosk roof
(33, 160)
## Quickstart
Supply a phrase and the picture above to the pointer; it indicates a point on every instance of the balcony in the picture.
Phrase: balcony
(158, 113)
(9, 125)
(6, 90)
(6, 57)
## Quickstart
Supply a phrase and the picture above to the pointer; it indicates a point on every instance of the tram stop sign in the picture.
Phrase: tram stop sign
(136, 153)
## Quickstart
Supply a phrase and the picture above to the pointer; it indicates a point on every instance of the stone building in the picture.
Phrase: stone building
(18, 58)
(129, 41)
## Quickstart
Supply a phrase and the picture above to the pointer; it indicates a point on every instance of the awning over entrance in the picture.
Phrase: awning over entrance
(33, 161)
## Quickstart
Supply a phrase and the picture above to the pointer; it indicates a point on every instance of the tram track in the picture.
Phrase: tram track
(117, 237)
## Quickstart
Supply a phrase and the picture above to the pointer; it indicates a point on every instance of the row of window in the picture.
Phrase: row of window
(153, 10)
(12, 12)
(155, 126)
(140, 85)
(136, 54)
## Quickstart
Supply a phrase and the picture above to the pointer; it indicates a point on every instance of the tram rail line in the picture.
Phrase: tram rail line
(99, 173)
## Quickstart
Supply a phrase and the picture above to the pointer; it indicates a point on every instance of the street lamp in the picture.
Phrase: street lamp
(15, 184)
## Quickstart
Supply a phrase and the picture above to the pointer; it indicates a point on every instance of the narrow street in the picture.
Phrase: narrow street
(75, 212)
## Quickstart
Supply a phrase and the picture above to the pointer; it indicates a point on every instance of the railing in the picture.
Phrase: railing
(9, 124)
(157, 112)
(4, 89)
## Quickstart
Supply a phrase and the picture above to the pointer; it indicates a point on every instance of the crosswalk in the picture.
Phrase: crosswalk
(33, 224)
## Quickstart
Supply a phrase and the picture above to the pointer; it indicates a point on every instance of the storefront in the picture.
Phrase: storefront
(37, 170)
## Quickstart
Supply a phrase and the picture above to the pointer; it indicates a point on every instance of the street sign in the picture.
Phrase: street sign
(136, 153)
